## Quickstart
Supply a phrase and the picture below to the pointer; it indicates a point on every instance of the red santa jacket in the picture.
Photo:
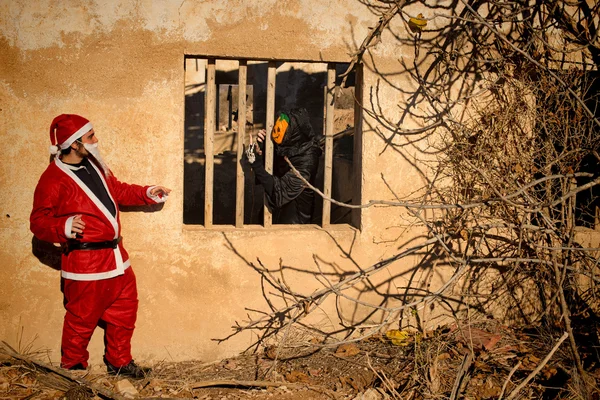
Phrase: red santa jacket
(59, 196)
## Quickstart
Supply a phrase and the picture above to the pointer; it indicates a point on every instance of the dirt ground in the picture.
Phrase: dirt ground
(476, 361)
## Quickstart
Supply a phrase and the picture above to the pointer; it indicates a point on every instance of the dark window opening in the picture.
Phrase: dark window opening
(217, 190)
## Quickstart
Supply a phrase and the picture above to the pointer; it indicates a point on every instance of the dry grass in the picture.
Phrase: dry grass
(421, 368)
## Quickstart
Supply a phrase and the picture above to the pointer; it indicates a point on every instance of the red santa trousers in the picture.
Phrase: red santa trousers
(113, 301)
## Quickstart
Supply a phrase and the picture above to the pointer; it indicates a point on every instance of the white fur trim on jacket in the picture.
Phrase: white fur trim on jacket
(156, 198)
(97, 276)
(69, 227)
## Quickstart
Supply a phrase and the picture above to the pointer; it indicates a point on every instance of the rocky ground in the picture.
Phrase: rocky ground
(475, 361)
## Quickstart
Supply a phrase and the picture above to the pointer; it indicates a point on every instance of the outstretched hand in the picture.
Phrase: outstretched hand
(160, 191)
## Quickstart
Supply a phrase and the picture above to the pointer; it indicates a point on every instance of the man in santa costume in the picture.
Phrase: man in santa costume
(76, 204)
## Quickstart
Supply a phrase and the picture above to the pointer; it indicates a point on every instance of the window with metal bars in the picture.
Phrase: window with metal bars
(227, 100)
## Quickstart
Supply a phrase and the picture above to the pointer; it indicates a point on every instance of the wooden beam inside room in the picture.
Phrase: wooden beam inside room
(270, 121)
(209, 137)
(241, 133)
(328, 157)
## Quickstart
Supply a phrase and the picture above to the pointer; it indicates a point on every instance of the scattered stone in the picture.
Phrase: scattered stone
(125, 388)
(155, 384)
(369, 394)
(230, 365)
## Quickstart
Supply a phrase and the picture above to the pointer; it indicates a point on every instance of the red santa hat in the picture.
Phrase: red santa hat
(65, 129)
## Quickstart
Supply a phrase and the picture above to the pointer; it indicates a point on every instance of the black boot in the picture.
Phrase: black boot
(76, 367)
(131, 370)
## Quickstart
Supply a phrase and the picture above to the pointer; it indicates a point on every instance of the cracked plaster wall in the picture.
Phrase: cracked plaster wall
(120, 64)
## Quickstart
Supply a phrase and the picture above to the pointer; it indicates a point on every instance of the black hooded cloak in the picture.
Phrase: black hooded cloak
(288, 198)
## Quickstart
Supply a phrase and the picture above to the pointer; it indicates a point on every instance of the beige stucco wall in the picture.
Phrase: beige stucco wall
(120, 64)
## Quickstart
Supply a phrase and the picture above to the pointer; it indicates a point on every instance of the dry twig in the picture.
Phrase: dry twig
(533, 373)
(104, 392)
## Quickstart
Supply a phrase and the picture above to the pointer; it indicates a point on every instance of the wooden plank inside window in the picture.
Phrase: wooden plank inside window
(328, 168)
(209, 137)
(239, 183)
(271, 77)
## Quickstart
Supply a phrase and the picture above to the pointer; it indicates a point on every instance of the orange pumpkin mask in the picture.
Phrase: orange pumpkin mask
(280, 127)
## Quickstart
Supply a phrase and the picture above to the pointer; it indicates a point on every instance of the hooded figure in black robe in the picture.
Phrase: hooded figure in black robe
(288, 198)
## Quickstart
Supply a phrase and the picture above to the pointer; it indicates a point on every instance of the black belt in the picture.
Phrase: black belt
(73, 244)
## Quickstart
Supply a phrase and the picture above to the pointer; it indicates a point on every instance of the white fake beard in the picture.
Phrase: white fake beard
(93, 149)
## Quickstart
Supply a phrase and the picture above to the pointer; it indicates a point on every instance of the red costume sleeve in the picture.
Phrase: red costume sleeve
(128, 194)
(44, 222)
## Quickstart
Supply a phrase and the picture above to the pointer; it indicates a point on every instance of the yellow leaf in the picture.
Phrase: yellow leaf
(416, 24)
(398, 338)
